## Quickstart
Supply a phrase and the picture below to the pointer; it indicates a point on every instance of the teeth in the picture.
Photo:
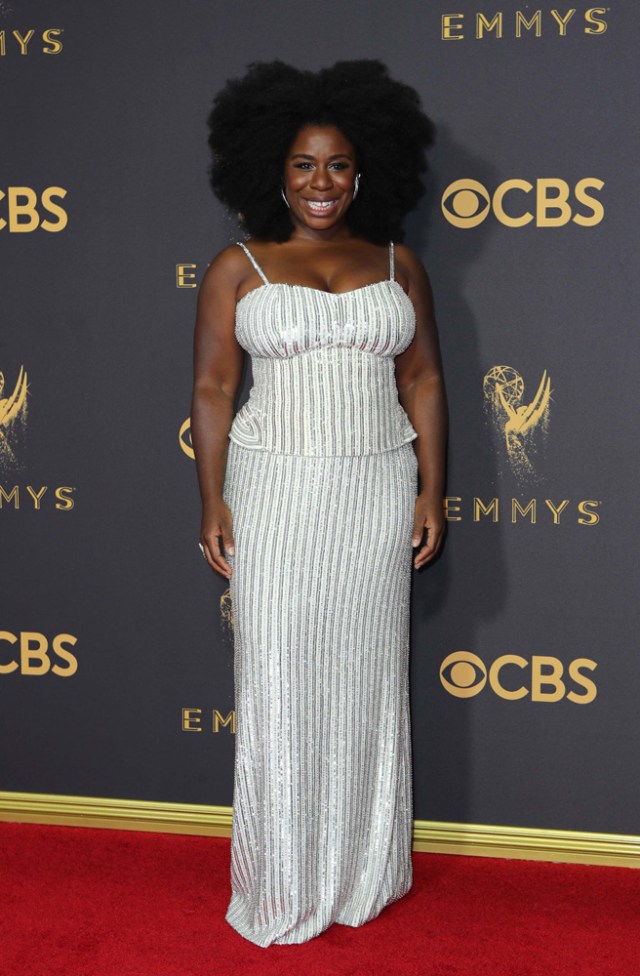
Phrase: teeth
(320, 205)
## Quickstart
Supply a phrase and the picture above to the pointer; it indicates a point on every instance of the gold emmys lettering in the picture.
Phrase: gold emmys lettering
(504, 391)
(523, 23)
(191, 720)
(19, 42)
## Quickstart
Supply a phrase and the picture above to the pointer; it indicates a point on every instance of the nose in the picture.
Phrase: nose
(321, 179)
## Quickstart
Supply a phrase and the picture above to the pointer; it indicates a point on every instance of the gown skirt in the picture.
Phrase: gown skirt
(320, 593)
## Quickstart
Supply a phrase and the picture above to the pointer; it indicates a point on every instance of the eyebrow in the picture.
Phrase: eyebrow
(311, 156)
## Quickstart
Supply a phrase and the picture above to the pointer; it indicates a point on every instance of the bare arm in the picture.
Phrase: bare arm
(217, 371)
(422, 393)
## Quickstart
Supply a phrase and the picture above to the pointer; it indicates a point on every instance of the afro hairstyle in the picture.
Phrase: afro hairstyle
(255, 119)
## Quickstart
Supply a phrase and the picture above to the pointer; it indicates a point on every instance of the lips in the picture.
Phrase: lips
(319, 207)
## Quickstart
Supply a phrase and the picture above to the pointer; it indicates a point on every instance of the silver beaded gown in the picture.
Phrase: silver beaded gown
(321, 481)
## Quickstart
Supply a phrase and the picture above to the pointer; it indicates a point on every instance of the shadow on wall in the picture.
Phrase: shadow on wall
(467, 583)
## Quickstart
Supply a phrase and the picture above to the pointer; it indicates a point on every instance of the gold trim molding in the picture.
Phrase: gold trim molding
(526, 843)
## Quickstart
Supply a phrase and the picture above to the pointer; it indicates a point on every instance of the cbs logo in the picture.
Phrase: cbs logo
(466, 203)
(184, 437)
(24, 209)
(30, 652)
(512, 677)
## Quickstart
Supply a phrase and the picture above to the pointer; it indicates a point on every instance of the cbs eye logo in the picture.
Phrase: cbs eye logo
(467, 203)
(511, 677)
(184, 437)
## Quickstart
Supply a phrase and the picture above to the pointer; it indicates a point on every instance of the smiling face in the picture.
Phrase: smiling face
(319, 174)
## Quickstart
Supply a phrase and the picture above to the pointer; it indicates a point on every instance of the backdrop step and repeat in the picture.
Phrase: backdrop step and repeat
(116, 649)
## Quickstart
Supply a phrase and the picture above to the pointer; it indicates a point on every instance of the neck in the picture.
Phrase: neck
(305, 235)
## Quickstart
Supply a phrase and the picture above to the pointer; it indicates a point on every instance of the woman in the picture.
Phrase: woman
(310, 504)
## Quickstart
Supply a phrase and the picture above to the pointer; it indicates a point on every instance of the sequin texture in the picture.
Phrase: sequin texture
(322, 502)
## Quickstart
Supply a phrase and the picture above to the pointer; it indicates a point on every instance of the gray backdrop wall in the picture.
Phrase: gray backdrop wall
(115, 638)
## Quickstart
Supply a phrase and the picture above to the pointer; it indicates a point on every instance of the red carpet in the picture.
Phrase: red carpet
(89, 902)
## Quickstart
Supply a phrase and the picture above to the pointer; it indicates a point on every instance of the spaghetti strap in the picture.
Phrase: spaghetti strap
(391, 261)
(253, 262)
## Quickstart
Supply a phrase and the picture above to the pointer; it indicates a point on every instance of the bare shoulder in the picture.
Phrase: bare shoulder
(420, 290)
(225, 275)
(409, 262)
(231, 261)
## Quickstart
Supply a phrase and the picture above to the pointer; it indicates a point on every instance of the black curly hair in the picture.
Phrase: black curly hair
(255, 119)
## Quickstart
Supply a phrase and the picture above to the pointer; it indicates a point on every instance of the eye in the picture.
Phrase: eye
(340, 165)
(302, 165)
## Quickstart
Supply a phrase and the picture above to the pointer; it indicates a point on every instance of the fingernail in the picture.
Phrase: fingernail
(231, 551)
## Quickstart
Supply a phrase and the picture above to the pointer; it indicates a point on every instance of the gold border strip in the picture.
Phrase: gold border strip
(526, 843)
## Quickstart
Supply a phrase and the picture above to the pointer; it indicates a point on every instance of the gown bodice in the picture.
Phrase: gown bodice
(323, 367)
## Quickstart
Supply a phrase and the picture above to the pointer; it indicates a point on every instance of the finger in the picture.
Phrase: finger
(221, 563)
(426, 556)
(430, 549)
(423, 557)
(434, 538)
(228, 546)
(228, 543)
(208, 555)
(215, 558)
(419, 527)
(439, 539)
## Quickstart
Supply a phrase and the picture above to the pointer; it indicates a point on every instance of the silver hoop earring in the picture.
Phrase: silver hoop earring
(284, 196)
(356, 186)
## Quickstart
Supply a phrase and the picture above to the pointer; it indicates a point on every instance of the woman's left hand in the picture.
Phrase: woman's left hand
(429, 515)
